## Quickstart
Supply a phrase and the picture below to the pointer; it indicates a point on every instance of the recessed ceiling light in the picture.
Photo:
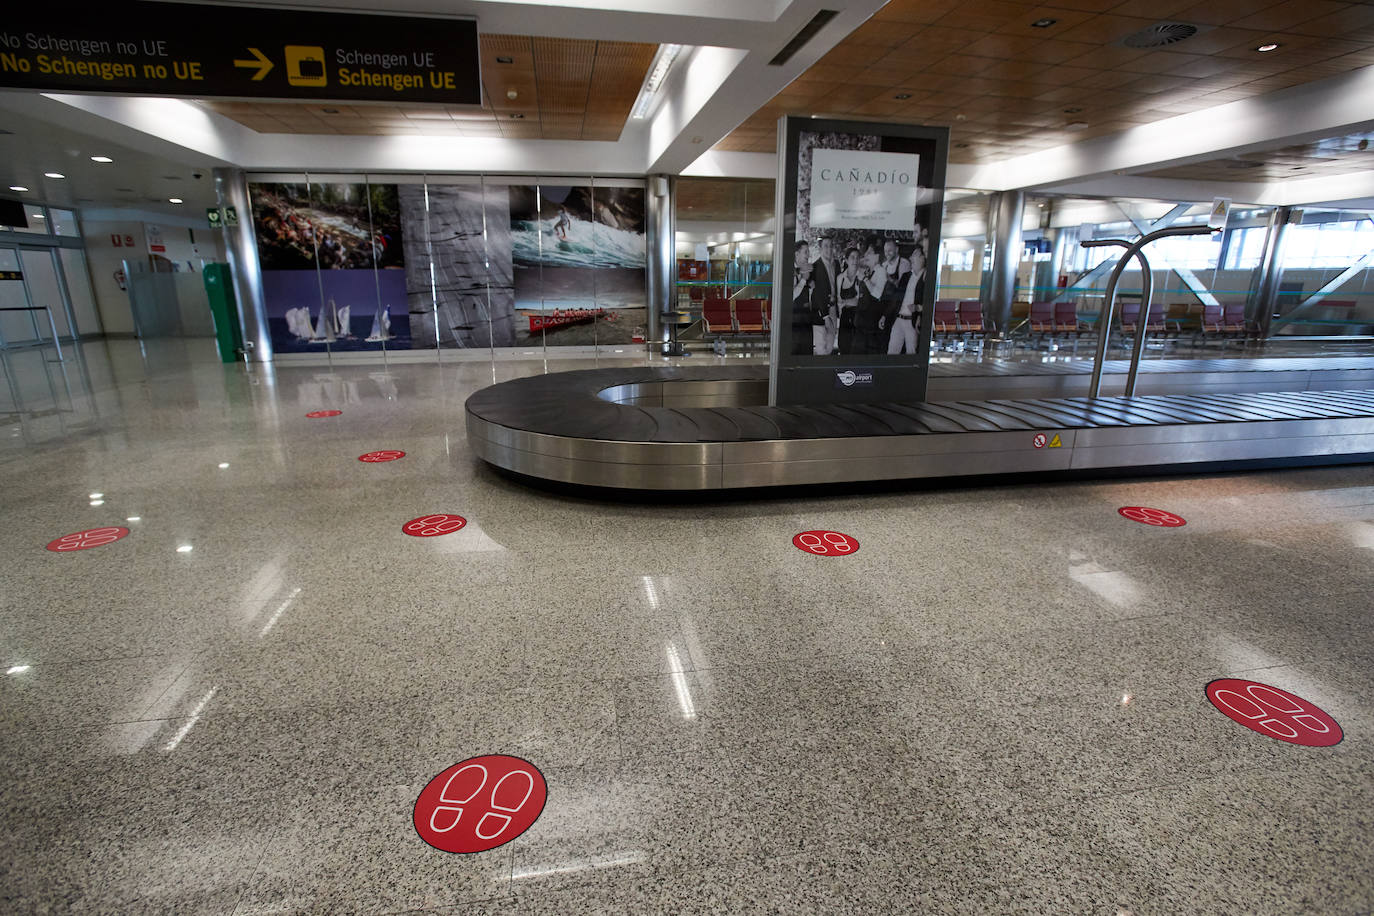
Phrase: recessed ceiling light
(184, 548)
(175, 200)
(1043, 23)
(330, 110)
(39, 216)
(101, 159)
(97, 502)
(1269, 47)
(134, 518)
(517, 116)
(1076, 125)
(223, 465)
(505, 60)
(97, 495)
(902, 95)
(53, 175)
(18, 187)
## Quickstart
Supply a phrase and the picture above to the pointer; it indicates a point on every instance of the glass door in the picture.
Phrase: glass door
(45, 289)
(16, 327)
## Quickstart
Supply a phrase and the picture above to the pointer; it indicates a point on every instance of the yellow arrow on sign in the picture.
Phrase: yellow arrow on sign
(262, 64)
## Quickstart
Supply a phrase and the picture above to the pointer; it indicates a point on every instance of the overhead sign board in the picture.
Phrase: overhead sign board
(178, 49)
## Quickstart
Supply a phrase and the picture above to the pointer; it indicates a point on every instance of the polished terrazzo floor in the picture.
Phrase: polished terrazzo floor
(995, 706)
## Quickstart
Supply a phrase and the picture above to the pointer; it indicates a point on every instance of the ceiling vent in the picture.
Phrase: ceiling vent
(1160, 34)
(807, 33)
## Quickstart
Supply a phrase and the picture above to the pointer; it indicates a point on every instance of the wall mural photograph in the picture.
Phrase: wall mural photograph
(469, 298)
(579, 262)
(332, 265)
(467, 264)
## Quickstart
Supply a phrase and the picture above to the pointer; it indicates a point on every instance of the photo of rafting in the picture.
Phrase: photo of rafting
(579, 256)
(335, 225)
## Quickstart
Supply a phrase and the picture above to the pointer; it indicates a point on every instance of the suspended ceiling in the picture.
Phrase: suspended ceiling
(565, 89)
(1007, 88)
(1332, 156)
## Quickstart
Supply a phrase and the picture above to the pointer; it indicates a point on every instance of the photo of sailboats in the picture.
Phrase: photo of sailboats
(309, 311)
(381, 325)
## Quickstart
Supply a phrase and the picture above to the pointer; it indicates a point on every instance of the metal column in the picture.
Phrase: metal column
(232, 187)
(1271, 269)
(1006, 212)
(662, 266)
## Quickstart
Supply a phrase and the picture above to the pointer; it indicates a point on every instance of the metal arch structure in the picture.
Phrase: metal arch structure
(1104, 321)
(711, 429)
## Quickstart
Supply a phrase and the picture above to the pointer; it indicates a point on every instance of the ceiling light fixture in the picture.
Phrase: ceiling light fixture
(175, 200)
(658, 72)
(902, 95)
(1043, 23)
(517, 116)
(505, 60)
(1076, 125)
(39, 216)
(18, 187)
(53, 175)
(1269, 47)
(101, 159)
(330, 110)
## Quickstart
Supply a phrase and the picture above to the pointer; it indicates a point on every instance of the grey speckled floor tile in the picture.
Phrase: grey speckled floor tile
(996, 706)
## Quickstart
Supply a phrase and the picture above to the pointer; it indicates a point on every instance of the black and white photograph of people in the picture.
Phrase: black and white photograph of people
(866, 301)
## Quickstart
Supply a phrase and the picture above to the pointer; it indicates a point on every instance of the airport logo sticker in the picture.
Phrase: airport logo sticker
(825, 543)
(1274, 712)
(386, 454)
(1147, 516)
(480, 803)
(428, 526)
(321, 414)
(85, 540)
(1039, 440)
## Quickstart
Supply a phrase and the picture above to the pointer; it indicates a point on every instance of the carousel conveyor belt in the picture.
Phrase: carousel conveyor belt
(710, 428)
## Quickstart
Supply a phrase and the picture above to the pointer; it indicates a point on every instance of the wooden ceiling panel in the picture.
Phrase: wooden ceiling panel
(579, 89)
(1011, 83)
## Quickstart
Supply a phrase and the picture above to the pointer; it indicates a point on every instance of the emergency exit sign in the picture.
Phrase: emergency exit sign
(179, 49)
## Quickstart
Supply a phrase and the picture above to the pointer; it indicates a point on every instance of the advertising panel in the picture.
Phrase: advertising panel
(859, 218)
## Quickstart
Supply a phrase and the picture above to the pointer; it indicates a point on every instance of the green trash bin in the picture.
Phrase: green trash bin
(219, 288)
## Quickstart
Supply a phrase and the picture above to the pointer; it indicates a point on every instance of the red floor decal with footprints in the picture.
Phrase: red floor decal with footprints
(1274, 712)
(386, 454)
(1157, 517)
(85, 540)
(428, 526)
(480, 803)
(826, 543)
(320, 414)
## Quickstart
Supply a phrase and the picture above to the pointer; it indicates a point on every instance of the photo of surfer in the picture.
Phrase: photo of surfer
(335, 226)
(578, 255)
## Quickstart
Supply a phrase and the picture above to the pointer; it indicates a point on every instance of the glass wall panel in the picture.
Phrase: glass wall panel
(724, 254)
(64, 223)
(38, 222)
(1326, 288)
(458, 261)
(84, 310)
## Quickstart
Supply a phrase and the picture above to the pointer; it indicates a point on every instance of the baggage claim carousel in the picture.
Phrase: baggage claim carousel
(711, 428)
